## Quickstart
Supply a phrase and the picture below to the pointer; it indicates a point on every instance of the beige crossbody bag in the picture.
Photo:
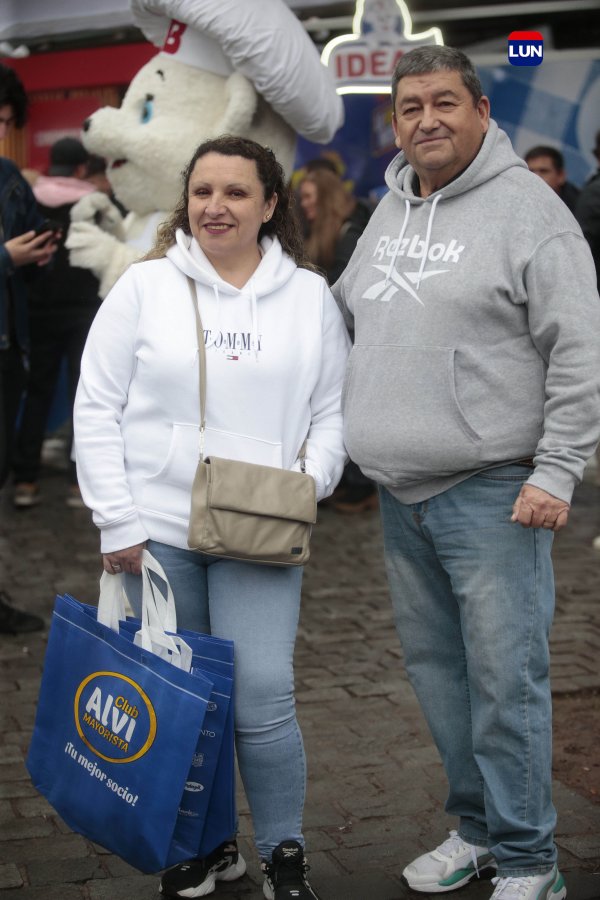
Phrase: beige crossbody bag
(239, 510)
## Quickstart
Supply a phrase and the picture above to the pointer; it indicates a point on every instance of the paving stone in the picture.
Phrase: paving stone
(56, 846)
(10, 877)
(54, 892)
(64, 871)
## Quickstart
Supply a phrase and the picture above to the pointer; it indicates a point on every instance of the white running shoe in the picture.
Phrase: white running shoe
(448, 867)
(548, 886)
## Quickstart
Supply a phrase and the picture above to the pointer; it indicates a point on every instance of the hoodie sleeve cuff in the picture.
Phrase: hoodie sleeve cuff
(120, 535)
(555, 481)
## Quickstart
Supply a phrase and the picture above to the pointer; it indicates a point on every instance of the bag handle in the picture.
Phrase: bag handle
(112, 598)
(158, 613)
(202, 373)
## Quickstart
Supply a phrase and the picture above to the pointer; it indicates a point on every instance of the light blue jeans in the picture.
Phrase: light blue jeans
(257, 607)
(473, 599)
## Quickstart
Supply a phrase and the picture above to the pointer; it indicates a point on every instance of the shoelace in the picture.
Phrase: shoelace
(455, 844)
(511, 888)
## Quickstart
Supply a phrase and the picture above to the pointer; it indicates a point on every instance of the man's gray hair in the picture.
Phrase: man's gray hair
(423, 60)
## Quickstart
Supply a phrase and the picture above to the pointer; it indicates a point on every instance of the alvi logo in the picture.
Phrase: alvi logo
(114, 717)
(525, 48)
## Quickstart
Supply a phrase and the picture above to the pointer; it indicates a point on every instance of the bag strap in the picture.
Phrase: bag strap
(201, 361)
(202, 373)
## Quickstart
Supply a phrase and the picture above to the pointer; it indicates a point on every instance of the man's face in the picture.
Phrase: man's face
(438, 126)
(7, 117)
(545, 168)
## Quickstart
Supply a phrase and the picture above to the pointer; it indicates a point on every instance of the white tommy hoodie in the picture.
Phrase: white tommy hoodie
(276, 354)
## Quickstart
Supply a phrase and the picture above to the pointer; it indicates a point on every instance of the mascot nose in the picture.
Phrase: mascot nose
(87, 124)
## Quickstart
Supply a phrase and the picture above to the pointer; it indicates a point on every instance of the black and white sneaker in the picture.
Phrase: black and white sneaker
(197, 877)
(285, 875)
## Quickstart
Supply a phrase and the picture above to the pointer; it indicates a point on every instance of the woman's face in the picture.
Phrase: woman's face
(308, 200)
(226, 206)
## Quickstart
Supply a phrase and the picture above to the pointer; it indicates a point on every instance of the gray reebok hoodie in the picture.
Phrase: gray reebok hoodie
(477, 331)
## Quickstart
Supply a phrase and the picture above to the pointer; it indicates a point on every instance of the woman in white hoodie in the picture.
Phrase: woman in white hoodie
(276, 349)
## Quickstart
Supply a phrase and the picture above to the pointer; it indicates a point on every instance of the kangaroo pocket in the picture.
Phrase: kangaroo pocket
(403, 418)
(168, 491)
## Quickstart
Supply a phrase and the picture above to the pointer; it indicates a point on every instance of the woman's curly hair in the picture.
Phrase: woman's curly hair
(283, 224)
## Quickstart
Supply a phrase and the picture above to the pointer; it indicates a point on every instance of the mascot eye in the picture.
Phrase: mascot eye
(147, 108)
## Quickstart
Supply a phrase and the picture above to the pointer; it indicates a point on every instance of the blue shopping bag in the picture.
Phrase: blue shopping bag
(207, 814)
(116, 728)
(214, 756)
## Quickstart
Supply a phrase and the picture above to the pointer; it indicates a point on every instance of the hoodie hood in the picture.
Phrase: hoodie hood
(57, 190)
(274, 271)
(495, 156)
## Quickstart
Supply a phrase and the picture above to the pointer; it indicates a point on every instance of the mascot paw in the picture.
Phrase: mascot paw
(97, 209)
(89, 247)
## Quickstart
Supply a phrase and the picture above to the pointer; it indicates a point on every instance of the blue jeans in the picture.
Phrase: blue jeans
(473, 599)
(257, 607)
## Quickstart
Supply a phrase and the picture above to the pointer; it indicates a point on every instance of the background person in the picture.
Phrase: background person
(587, 211)
(276, 350)
(21, 251)
(63, 304)
(472, 397)
(335, 221)
(549, 164)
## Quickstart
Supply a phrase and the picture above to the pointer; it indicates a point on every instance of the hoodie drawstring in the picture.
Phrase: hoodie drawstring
(436, 200)
(254, 320)
(388, 274)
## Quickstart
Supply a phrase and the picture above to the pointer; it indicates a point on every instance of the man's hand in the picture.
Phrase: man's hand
(31, 248)
(535, 508)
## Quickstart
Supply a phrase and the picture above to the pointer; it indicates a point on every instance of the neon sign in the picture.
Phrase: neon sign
(363, 62)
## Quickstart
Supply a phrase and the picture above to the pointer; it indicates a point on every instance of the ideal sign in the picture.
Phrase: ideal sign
(363, 62)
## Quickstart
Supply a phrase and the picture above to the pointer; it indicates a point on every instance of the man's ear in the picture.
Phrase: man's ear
(395, 127)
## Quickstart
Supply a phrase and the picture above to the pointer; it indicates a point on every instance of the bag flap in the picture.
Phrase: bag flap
(261, 490)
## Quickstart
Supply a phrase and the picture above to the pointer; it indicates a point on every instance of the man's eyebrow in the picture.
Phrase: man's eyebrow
(415, 98)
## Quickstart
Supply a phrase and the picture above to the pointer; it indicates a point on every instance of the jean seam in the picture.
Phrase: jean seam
(534, 606)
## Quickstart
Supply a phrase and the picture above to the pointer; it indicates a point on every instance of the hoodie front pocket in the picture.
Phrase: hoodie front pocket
(402, 413)
(168, 490)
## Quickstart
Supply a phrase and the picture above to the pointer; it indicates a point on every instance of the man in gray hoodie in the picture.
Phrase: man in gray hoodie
(472, 397)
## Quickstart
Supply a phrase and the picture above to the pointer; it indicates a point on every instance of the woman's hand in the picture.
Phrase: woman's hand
(127, 560)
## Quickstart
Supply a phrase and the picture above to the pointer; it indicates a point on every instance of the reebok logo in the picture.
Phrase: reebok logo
(388, 249)
(413, 248)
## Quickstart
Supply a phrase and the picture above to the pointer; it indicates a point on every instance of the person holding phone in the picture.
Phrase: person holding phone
(63, 305)
(21, 252)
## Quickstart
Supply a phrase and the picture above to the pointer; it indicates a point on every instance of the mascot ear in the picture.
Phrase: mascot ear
(240, 105)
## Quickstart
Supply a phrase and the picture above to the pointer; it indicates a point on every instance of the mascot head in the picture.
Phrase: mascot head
(230, 66)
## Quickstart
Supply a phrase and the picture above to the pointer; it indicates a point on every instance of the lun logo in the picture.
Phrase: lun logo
(525, 48)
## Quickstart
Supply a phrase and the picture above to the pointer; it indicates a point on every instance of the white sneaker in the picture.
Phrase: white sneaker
(549, 886)
(448, 867)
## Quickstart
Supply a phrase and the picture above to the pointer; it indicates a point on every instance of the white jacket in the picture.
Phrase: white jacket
(276, 354)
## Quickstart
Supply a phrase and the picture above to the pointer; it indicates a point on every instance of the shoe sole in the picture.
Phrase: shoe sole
(209, 883)
(441, 888)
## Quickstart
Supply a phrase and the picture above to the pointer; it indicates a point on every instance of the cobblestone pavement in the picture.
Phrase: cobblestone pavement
(376, 786)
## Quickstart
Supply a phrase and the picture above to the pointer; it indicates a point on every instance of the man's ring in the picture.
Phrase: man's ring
(115, 566)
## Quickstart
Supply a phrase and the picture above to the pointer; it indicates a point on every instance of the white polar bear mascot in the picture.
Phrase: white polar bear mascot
(226, 66)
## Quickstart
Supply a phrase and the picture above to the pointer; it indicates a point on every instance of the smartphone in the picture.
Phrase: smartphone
(50, 225)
